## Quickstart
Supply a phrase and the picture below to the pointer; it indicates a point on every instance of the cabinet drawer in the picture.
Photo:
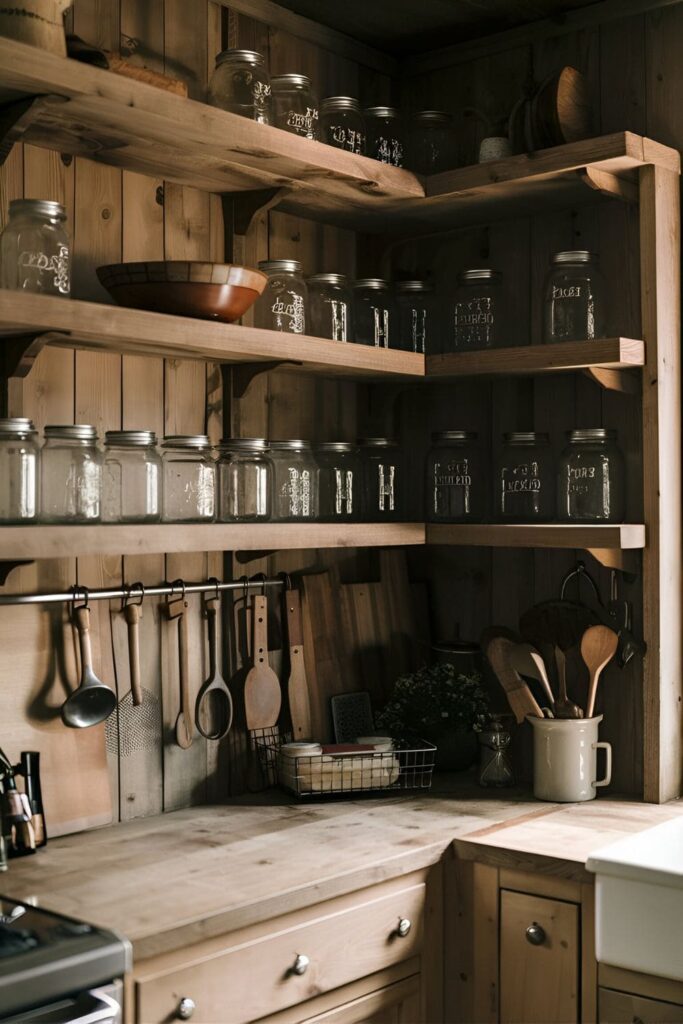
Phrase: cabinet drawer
(624, 1008)
(251, 978)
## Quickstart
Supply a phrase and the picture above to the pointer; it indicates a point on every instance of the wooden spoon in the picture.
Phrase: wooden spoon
(598, 647)
(184, 727)
(297, 687)
(262, 694)
(564, 707)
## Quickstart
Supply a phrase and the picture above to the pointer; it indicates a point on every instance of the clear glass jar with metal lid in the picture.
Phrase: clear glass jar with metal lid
(35, 254)
(383, 496)
(417, 320)
(131, 477)
(240, 83)
(295, 107)
(591, 478)
(374, 312)
(574, 303)
(477, 313)
(70, 475)
(431, 142)
(525, 479)
(329, 305)
(384, 134)
(19, 459)
(295, 473)
(342, 124)
(339, 481)
(188, 479)
(283, 304)
(245, 480)
(456, 485)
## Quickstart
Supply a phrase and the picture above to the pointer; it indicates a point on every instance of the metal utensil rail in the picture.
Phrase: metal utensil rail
(138, 591)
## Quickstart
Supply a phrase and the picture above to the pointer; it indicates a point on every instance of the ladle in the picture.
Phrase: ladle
(93, 701)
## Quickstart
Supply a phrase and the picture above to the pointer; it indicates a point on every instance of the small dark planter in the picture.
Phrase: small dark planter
(456, 749)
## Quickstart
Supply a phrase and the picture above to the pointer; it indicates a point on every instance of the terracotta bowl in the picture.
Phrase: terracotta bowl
(209, 291)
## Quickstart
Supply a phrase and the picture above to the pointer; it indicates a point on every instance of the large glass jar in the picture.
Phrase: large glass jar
(373, 312)
(19, 458)
(70, 475)
(131, 477)
(283, 303)
(574, 305)
(383, 485)
(295, 490)
(416, 316)
(245, 480)
(477, 314)
(525, 479)
(329, 304)
(456, 485)
(591, 478)
(34, 248)
(295, 107)
(339, 481)
(342, 124)
(189, 479)
(240, 83)
(384, 128)
(431, 142)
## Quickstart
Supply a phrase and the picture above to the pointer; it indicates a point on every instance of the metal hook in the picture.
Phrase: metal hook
(244, 580)
(127, 597)
(260, 576)
(581, 572)
(286, 580)
(217, 593)
(76, 590)
(176, 583)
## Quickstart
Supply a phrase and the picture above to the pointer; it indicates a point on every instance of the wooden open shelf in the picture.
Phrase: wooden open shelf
(68, 106)
(620, 537)
(523, 360)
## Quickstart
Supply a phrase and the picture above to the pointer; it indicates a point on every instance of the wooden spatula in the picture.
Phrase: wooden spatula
(564, 707)
(598, 647)
(527, 661)
(262, 695)
(297, 687)
(499, 653)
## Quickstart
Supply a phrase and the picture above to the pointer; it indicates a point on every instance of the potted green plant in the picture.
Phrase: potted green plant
(440, 705)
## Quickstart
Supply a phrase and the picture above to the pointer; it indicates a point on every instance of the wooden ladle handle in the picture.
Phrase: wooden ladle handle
(132, 614)
(82, 619)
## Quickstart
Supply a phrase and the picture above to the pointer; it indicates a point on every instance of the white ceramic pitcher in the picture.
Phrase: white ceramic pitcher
(565, 758)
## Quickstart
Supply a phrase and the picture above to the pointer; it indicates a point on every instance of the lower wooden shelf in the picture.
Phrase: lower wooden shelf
(618, 536)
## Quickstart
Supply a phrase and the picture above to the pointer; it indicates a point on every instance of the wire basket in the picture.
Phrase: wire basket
(404, 767)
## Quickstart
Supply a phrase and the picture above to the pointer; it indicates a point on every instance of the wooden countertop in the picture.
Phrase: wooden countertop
(172, 880)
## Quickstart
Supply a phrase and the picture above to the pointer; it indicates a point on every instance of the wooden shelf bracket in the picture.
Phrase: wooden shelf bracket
(609, 184)
(626, 382)
(18, 352)
(244, 373)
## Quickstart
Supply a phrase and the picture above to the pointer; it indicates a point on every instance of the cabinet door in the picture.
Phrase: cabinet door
(624, 1008)
(395, 1004)
(539, 960)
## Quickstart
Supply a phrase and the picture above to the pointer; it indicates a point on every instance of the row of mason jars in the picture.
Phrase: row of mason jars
(241, 84)
(586, 484)
(70, 480)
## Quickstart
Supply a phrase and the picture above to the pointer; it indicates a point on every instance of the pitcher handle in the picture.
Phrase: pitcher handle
(607, 747)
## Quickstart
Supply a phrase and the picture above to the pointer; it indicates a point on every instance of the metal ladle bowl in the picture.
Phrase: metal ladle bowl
(93, 701)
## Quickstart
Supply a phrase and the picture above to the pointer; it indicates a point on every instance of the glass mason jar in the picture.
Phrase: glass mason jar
(329, 303)
(70, 475)
(384, 129)
(245, 480)
(525, 479)
(188, 479)
(295, 107)
(455, 478)
(240, 83)
(416, 316)
(35, 255)
(283, 303)
(342, 124)
(339, 480)
(382, 472)
(574, 304)
(477, 313)
(431, 142)
(373, 312)
(591, 478)
(131, 477)
(19, 460)
(295, 488)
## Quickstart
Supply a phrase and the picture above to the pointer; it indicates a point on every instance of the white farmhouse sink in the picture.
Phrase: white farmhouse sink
(639, 901)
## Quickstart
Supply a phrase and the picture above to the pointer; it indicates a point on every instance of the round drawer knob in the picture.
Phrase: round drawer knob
(186, 1008)
(404, 926)
(301, 964)
(535, 934)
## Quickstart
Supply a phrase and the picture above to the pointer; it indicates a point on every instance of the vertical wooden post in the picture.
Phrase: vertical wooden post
(660, 301)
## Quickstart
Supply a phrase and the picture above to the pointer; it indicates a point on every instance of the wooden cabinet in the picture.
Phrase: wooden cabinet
(400, 1003)
(627, 1008)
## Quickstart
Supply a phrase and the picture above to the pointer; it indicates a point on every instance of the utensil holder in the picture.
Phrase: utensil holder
(565, 759)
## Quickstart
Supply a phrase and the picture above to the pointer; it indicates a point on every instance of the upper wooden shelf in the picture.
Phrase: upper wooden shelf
(619, 536)
(74, 108)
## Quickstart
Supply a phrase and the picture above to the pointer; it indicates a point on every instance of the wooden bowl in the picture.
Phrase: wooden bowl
(563, 108)
(209, 291)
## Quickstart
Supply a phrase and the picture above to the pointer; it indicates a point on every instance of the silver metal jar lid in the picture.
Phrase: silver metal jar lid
(454, 435)
(40, 207)
(131, 438)
(414, 286)
(334, 446)
(574, 256)
(244, 444)
(187, 441)
(591, 434)
(480, 274)
(378, 442)
(525, 437)
(283, 81)
(387, 112)
(293, 445)
(15, 426)
(339, 103)
(338, 279)
(240, 56)
(375, 283)
(72, 431)
(280, 266)
(434, 117)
